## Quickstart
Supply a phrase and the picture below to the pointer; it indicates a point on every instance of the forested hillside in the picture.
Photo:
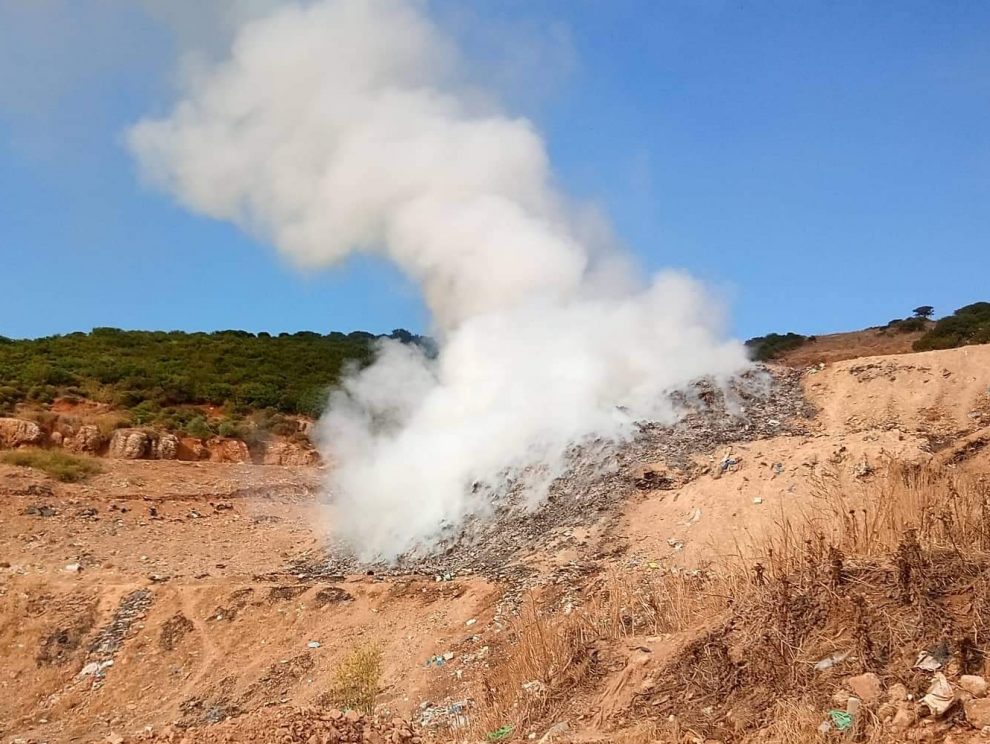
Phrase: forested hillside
(149, 371)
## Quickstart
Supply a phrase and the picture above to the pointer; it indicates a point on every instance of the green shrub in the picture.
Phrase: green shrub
(771, 346)
(968, 325)
(58, 464)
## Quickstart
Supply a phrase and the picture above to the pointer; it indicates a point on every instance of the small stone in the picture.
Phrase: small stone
(448, 656)
(978, 712)
(73, 568)
(867, 687)
(313, 644)
(974, 685)
(897, 693)
(904, 718)
(472, 621)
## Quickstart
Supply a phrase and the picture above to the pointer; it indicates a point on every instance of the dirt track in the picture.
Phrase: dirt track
(185, 580)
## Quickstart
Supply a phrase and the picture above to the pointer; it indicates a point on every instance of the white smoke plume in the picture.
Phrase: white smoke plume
(342, 126)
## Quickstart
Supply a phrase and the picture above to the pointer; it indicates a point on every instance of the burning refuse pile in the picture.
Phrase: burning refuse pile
(599, 477)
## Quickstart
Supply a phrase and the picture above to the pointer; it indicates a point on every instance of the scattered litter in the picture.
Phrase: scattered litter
(448, 656)
(773, 422)
(693, 519)
(313, 644)
(778, 468)
(833, 660)
(757, 499)
(675, 544)
(726, 464)
(472, 621)
(452, 715)
(840, 719)
(654, 565)
(940, 696)
(499, 733)
(73, 568)
(933, 659)
(95, 668)
(534, 687)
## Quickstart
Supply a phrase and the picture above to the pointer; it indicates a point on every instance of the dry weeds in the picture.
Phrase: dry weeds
(888, 562)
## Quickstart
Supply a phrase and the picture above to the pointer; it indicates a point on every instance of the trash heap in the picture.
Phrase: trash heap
(764, 402)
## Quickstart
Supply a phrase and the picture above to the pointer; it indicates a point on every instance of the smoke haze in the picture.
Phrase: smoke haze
(344, 126)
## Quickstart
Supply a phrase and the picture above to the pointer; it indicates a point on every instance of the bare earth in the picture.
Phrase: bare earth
(186, 575)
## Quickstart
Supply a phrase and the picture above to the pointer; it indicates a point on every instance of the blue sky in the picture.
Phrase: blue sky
(824, 165)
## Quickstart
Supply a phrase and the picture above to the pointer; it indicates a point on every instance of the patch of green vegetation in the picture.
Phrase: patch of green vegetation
(771, 346)
(906, 325)
(153, 374)
(59, 464)
(967, 325)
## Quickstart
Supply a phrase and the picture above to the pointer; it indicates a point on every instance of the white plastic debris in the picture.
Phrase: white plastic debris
(313, 644)
(940, 695)
(833, 660)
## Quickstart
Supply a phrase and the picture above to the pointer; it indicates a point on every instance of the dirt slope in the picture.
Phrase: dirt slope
(187, 575)
(837, 347)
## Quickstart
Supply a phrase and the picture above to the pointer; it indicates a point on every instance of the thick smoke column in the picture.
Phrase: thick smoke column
(340, 126)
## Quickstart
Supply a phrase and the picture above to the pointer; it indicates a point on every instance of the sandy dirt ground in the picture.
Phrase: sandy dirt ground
(167, 595)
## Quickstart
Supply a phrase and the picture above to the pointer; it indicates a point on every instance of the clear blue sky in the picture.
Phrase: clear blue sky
(825, 165)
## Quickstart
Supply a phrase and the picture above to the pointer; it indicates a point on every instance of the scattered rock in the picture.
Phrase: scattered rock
(867, 687)
(227, 450)
(289, 453)
(978, 712)
(904, 718)
(974, 685)
(897, 693)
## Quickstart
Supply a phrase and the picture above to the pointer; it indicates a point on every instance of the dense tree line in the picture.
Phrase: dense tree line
(147, 371)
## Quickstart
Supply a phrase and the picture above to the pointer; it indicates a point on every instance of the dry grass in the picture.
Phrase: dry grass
(887, 562)
(358, 679)
(60, 465)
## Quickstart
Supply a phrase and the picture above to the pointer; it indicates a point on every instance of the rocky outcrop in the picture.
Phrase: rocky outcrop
(19, 433)
(165, 447)
(227, 450)
(138, 444)
(87, 439)
(290, 453)
(130, 444)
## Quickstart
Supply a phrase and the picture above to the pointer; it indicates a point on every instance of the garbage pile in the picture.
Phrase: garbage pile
(762, 403)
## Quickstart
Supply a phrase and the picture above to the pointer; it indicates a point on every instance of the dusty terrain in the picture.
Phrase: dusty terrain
(838, 347)
(196, 601)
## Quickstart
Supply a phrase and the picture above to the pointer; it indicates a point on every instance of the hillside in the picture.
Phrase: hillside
(226, 383)
(675, 594)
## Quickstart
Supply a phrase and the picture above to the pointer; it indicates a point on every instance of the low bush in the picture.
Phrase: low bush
(358, 679)
(967, 325)
(771, 346)
(60, 465)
